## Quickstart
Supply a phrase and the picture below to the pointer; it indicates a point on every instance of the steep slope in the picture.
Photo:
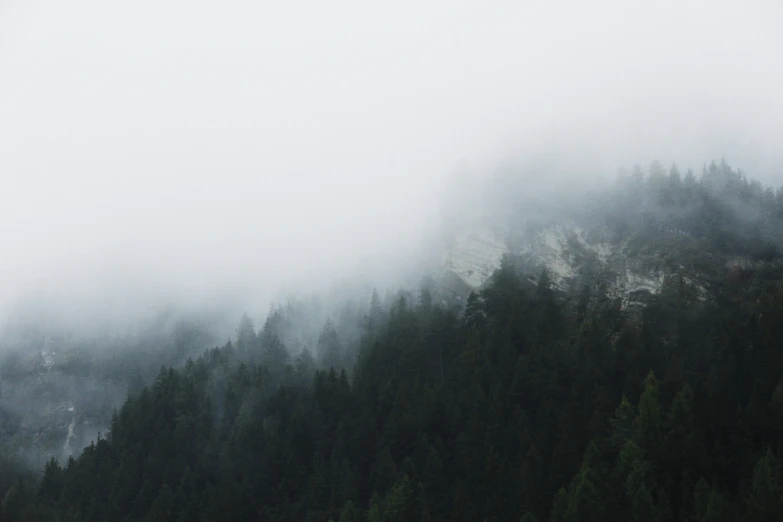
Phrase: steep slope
(629, 239)
(59, 389)
(523, 407)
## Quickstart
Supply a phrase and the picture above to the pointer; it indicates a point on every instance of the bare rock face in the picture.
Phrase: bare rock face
(572, 255)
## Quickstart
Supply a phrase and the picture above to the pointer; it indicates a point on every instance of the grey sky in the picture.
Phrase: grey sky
(202, 145)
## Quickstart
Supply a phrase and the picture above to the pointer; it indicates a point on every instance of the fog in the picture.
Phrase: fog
(199, 152)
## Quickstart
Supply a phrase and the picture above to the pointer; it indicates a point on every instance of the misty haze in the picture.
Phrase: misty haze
(429, 262)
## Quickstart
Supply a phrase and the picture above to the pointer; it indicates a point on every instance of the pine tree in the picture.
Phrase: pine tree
(642, 507)
(375, 513)
(385, 469)
(717, 509)
(329, 348)
(528, 517)
(399, 502)
(663, 507)
(701, 499)
(52, 483)
(162, 509)
(622, 426)
(629, 462)
(350, 513)
(246, 335)
(560, 507)
(766, 498)
(683, 448)
(648, 424)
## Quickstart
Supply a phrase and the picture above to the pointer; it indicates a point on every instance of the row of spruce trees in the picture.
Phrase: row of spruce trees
(529, 403)
(527, 406)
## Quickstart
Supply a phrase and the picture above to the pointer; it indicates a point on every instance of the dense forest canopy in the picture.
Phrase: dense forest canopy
(530, 401)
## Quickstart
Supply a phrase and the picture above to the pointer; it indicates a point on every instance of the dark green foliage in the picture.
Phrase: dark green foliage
(329, 349)
(246, 335)
(533, 404)
(528, 517)
(765, 501)
(350, 513)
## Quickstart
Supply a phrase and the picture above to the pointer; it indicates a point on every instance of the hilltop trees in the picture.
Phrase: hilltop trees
(529, 404)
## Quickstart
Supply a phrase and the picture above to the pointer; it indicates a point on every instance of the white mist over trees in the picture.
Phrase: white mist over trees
(209, 150)
(166, 167)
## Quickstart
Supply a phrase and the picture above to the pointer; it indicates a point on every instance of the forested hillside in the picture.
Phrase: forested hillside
(59, 388)
(531, 401)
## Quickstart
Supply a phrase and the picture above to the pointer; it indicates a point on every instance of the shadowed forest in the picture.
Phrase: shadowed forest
(529, 402)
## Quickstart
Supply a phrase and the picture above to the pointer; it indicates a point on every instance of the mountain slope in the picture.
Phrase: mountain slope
(630, 238)
(542, 398)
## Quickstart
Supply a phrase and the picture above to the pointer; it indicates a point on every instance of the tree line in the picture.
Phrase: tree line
(528, 403)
